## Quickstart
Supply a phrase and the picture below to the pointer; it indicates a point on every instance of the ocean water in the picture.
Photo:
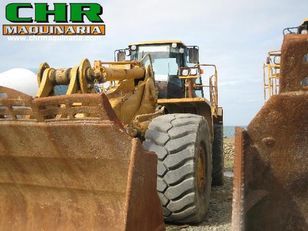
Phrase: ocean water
(229, 131)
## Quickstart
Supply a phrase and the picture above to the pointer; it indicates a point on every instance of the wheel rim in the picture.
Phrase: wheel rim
(201, 167)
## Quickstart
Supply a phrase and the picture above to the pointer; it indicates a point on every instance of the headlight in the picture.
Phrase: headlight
(193, 71)
(304, 32)
(185, 72)
(174, 45)
(133, 47)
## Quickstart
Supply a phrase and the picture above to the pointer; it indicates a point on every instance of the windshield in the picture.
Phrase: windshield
(165, 62)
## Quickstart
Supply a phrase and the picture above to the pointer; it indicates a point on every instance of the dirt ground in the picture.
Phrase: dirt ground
(219, 214)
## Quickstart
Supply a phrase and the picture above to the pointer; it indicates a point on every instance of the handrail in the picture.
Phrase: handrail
(271, 74)
(213, 87)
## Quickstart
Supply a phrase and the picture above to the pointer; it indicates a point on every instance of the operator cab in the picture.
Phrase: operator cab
(167, 59)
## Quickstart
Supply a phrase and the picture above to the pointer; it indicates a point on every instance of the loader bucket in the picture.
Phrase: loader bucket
(67, 164)
(271, 162)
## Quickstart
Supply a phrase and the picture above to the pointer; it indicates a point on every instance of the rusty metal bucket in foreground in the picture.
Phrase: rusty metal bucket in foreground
(61, 171)
(271, 163)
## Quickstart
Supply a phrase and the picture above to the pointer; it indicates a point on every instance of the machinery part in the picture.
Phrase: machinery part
(77, 79)
(40, 72)
(72, 173)
(132, 94)
(141, 122)
(271, 161)
(84, 75)
(182, 144)
(122, 74)
(218, 156)
(191, 86)
(271, 73)
(302, 29)
(82, 78)
(73, 85)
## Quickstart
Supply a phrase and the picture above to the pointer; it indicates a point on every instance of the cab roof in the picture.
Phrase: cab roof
(157, 42)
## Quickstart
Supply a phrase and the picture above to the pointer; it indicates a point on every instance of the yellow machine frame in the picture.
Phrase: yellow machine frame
(271, 74)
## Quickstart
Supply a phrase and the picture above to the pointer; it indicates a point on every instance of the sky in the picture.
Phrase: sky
(233, 34)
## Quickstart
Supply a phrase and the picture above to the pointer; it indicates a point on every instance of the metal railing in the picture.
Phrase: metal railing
(213, 87)
(271, 74)
(191, 85)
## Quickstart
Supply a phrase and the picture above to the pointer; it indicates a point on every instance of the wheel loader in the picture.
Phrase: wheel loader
(271, 155)
(118, 145)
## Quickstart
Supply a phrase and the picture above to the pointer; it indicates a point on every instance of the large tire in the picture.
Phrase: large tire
(218, 156)
(182, 144)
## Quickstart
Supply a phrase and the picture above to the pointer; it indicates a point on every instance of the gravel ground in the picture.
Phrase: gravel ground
(229, 153)
(219, 214)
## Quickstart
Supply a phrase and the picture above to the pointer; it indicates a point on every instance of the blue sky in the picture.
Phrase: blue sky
(235, 35)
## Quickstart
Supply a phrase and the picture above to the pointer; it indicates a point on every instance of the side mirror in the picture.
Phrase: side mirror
(193, 54)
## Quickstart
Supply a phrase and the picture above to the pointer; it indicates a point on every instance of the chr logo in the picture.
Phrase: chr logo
(42, 11)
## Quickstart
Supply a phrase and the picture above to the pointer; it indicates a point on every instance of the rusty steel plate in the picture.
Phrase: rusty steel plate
(61, 171)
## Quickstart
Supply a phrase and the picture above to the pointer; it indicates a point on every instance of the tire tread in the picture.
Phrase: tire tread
(175, 150)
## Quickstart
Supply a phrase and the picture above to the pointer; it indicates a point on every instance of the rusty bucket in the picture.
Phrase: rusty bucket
(67, 164)
(271, 163)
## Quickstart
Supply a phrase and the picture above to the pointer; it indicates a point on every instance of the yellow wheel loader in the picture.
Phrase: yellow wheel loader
(271, 160)
(114, 146)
